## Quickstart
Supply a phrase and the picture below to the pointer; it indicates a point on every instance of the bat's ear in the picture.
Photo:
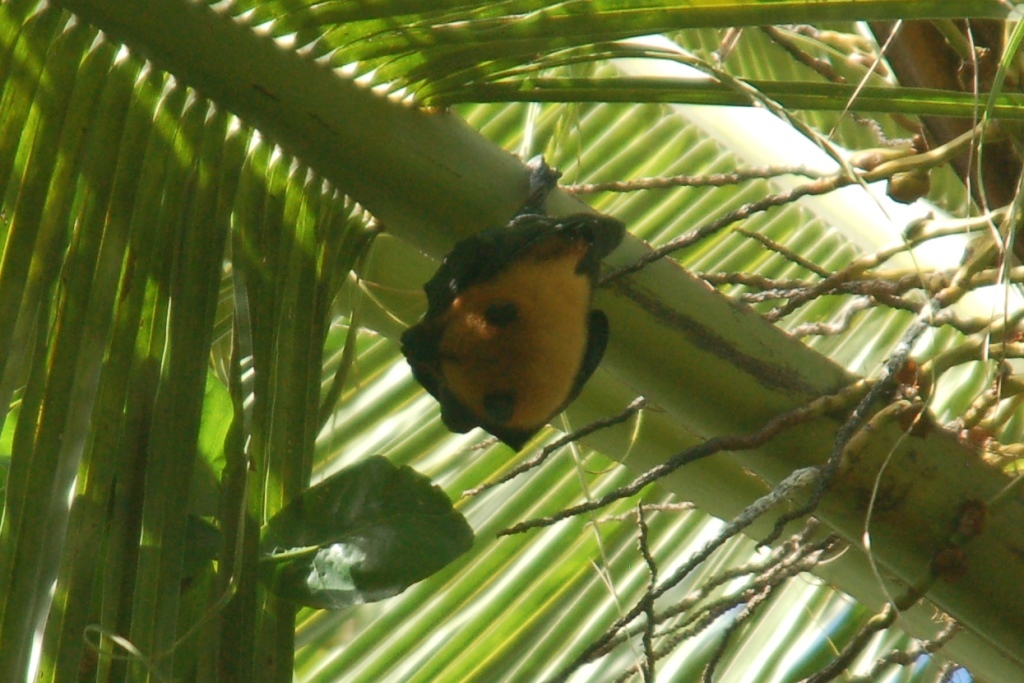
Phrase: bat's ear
(515, 438)
(455, 416)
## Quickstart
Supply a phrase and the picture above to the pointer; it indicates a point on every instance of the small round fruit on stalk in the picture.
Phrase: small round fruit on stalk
(906, 187)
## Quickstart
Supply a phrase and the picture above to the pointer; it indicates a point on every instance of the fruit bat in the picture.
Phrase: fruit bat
(510, 336)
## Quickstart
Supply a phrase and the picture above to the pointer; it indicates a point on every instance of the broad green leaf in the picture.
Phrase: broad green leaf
(363, 534)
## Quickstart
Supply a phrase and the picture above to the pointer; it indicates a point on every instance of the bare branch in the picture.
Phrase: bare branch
(910, 656)
(797, 480)
(633, 408)
(783, 251)
(741, 442)
(879, 622)
(647, 602)
(885, 385)
(710, 180)
(813, 188)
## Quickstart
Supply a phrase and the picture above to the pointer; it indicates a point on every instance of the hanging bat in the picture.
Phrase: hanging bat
(510, 335)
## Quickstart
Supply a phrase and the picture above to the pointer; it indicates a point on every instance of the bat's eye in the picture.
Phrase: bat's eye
(500, 405)
(501, 315)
